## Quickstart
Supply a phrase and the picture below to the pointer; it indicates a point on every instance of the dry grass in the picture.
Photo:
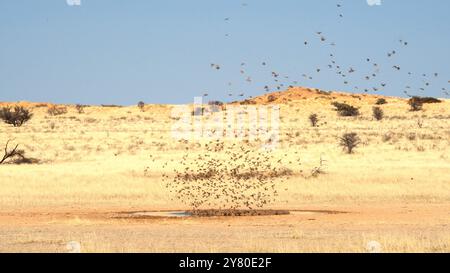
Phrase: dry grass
(94, 163)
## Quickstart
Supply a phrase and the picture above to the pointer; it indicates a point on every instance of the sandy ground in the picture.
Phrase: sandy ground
(398, 228)
(394, 190)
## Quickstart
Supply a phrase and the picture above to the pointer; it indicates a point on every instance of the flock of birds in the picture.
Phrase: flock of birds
(227, 177)
(371, 77)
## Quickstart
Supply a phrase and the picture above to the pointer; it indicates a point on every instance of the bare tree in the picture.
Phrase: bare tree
(17, 156)
(9, 154)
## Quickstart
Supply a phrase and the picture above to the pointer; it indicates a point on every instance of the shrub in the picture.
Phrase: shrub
(141, 105)
(415, 105)
(80, 108)
(381, 101)
(247, 102)
(55, 110)
(424, 100)
(345, 110)
(216, 106)
(349, 141)
(215, 102)
(112, 106)
(378, 113)
(313, 118)
(322, 92)
(271, 98)
(17, 118)
(387, 137)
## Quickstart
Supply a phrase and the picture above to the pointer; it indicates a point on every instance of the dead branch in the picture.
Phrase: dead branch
(9, 154)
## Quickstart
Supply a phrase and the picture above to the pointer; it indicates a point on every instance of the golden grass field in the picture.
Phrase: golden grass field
(395, 188)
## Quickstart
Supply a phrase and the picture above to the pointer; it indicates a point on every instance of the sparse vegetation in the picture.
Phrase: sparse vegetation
(80, 108)
(424, 100)
(17, 118)
(381, 101)
(345, 110)
(247, 102)
(415, 105)
(271, 98)
(313, 119)
(320, 169)
(111, 106)
(420, 123)
(377, 113)
(141, 105)
(349, 141)
(322, 92)
(16, 156)
(56, 110)
(216, 103)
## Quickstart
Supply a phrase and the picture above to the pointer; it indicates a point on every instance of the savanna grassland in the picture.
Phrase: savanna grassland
(394, 188)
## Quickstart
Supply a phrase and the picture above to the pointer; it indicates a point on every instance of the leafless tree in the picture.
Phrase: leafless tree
(10, 154)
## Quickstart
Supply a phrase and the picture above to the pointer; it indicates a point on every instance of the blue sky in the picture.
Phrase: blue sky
(121, 52)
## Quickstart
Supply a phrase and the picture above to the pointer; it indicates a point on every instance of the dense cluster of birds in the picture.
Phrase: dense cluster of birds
(227, 177)
(371, 77)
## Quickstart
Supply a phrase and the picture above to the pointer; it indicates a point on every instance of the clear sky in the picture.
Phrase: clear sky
(121, 52)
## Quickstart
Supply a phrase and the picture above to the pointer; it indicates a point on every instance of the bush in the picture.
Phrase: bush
(378, 113)
(313, 118)
(216, 106)
(141, 105)
(415, 105)
(80, 108)
(345, 110)
(349, 141)
(381, 101)
(56, 110)
(215, 102)
(424, 100)
(111, 106)
(17, 118)
(271, 98)
(247, 102)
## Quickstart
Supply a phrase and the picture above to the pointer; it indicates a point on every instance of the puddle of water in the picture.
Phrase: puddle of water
(162, 214)
(180, 214)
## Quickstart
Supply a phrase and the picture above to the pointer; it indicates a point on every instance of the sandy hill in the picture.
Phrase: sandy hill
(304, 93)
(291, 95)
